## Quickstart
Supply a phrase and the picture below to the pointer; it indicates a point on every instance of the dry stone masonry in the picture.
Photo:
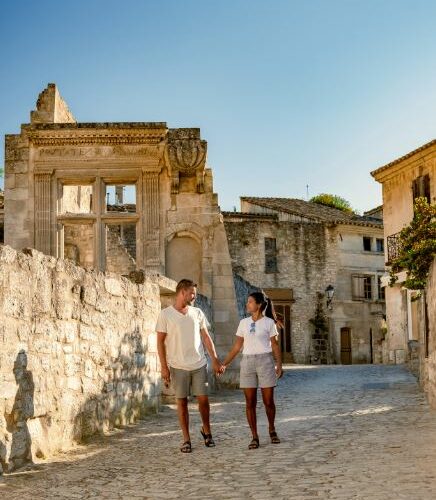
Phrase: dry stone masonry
(78, 353)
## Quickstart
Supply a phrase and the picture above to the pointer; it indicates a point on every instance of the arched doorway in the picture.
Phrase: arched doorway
(183, 259)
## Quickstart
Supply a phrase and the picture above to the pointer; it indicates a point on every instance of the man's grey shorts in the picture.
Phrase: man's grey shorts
(185, 380)
(257, 370)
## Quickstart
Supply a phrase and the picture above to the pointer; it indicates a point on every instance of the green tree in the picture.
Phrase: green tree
(417, 244)
(332, 200)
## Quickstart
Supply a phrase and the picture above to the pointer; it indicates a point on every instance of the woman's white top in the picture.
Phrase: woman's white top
(257, 334)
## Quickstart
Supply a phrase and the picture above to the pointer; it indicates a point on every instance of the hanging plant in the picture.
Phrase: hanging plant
(319, 321)
(417, 243)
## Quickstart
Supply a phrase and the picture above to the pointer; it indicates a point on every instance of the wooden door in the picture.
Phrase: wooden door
(346, 346)
(283, 311)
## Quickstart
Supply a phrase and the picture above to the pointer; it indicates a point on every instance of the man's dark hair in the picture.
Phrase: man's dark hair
(184, 284)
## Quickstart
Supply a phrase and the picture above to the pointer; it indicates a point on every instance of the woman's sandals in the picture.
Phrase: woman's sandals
(208, 439)
(254, 443)
(186, 447)
(274, 438)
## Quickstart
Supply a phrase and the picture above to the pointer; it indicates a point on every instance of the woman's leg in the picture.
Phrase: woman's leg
(250, 409)
(270, 407)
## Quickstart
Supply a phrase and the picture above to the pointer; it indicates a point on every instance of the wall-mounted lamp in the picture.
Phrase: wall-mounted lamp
(329, 291)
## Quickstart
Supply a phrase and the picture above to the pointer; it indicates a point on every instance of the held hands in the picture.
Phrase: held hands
(218, 367)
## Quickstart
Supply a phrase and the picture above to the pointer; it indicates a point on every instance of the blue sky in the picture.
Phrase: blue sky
(286, 93)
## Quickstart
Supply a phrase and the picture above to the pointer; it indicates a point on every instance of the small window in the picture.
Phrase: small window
(121, 198)
(361, 287)
(381, 289)
(121, 248)
(367, 243)
(76, 199)
(270, 255)
(380, 242)
(421, 187)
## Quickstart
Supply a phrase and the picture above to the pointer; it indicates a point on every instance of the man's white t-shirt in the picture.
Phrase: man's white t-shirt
(183, 342)
(257, 338)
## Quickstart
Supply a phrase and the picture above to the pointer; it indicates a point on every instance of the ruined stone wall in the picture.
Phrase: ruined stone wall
(77, 353)
(306, 263)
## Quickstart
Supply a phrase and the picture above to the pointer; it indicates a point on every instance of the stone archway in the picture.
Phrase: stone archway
(183, 258)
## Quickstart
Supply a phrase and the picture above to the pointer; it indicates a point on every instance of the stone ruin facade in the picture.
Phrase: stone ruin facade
(119, 197)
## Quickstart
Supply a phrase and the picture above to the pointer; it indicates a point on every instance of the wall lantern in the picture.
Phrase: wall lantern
(329, 291)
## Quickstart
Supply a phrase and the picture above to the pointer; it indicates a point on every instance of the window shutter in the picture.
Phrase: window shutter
(426, 187)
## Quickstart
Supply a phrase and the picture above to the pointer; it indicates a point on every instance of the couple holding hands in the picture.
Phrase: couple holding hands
(182, 335)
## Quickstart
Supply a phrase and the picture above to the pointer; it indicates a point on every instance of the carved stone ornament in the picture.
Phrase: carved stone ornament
(92, 152)
(186, 156)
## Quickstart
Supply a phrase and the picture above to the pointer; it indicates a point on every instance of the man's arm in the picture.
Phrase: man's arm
(210, 348)
(162, 352)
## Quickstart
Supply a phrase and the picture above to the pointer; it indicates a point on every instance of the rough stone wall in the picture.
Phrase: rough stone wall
(243, 289)
(51, 108)
(77, 353)
(79, 244)
(428, 364)
(19, 192)
(306, 261)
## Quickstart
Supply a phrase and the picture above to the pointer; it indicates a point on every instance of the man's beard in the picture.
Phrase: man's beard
(190, 302)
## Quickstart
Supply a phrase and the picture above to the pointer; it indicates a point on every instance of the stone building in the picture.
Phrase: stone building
(411, 334)
(2, 215)
(296, 250)
(119, 197)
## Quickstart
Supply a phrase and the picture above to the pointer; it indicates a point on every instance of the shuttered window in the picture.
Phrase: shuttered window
(421, 187)
(361, 287)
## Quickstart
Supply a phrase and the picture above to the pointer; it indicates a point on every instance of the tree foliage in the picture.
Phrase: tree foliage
(334, 201)
(417, 244)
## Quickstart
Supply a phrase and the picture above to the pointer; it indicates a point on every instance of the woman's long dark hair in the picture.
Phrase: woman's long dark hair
(266, 305)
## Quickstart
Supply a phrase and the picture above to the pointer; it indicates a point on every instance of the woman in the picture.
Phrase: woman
(257, 334)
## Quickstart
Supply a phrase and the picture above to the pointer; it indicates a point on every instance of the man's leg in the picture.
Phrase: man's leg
(250, 409)
(204, 409)
(183, 414)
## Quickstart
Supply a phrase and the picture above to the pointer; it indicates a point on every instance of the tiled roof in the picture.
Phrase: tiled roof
(314, 211)
(404, 157)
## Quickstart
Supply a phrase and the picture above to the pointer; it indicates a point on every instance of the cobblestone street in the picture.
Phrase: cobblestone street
(348, 432)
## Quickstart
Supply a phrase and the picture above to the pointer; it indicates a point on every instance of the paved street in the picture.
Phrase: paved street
(348, 432)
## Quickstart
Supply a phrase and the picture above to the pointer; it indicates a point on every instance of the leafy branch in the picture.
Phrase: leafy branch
(417, 243)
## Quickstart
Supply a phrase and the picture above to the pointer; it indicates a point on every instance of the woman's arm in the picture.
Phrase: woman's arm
(237, 346)
(277, 356)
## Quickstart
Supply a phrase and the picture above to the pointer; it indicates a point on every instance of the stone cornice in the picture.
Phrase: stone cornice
(78, 136)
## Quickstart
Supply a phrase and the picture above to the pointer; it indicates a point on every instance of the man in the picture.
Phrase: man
(181, 334)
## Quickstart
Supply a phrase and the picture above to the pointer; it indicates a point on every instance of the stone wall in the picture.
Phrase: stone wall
(306, 263)
(243, 289)
(428, 363)
(77, 353)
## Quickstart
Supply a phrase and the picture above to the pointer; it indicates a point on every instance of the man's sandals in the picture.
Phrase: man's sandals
(208, 439)
(254, 443)
(186, 447)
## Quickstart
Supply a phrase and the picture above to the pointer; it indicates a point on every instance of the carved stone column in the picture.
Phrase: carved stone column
(43, 225)
(151, 219)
